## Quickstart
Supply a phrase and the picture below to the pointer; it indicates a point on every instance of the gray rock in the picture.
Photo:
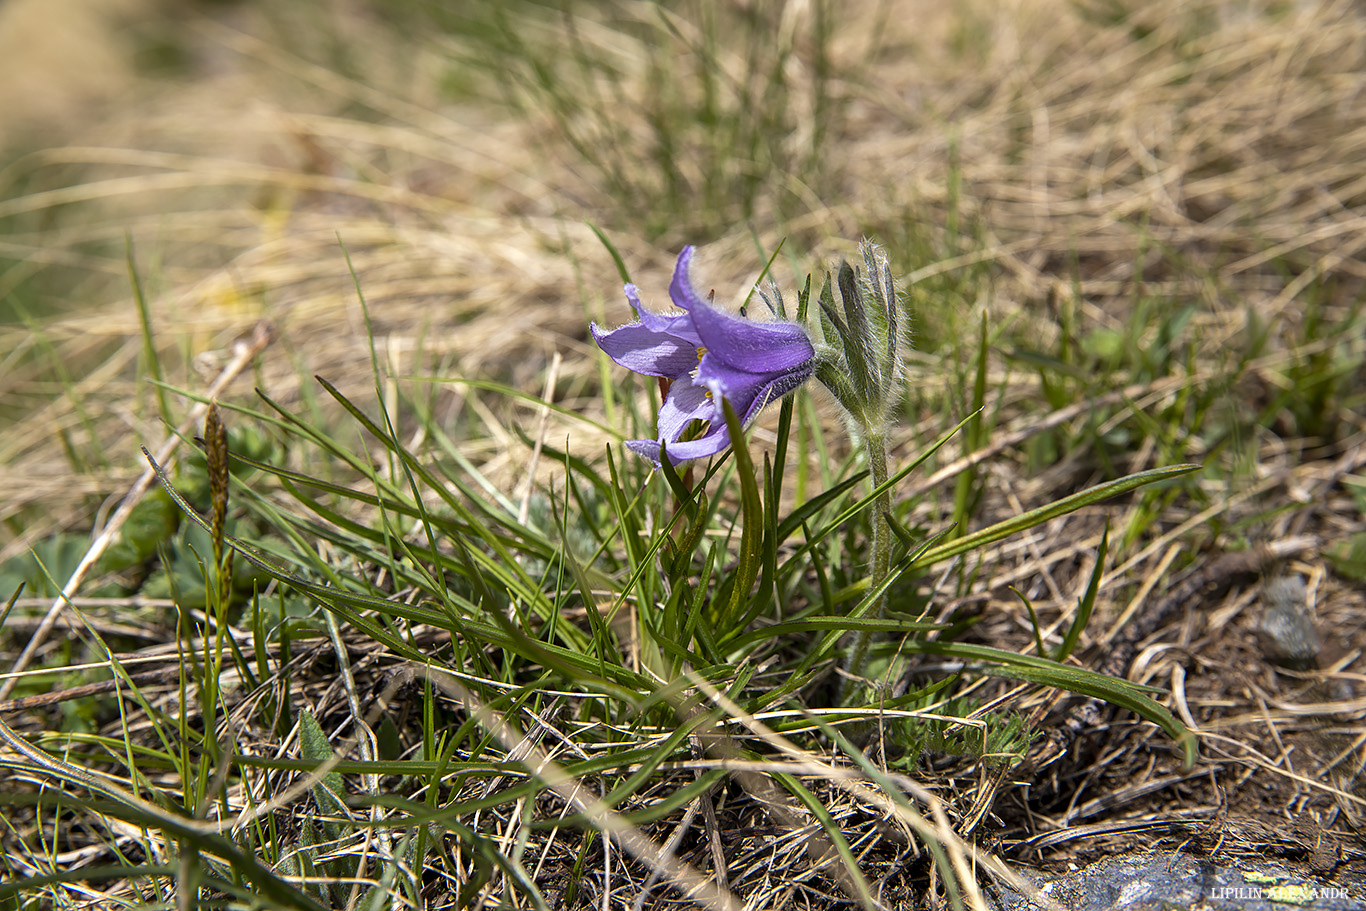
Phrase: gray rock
(1163, 880)
(1286, 628)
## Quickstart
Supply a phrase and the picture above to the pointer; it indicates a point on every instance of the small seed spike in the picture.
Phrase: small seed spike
(216, 454)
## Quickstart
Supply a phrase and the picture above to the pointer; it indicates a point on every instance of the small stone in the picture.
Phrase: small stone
(1286, 629)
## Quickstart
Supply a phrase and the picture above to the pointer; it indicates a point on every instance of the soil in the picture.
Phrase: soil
(1270, 812)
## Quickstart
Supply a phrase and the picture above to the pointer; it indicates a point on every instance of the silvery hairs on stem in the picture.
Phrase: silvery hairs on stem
(859, 359)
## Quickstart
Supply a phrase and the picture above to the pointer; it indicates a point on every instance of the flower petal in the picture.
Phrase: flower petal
(679, 324)
(715, 440)
(772, 347)
(758, 347)
(778, 387)
(681, 290)
(632, 296)
(747, 362)
(687, 402)
(747, 392)
(650, 449)
(637, 347)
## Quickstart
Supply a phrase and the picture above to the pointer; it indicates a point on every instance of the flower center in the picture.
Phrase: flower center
(700, 353)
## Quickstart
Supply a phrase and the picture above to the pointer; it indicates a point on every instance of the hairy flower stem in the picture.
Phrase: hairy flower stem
(876, 445)
(859, 361)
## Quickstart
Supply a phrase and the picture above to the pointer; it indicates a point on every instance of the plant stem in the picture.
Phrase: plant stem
(876, 445)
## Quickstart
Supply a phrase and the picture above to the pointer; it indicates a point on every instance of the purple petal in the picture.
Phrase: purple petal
(713, 442)
(686, 402)
(679, 324)
(710, 443)
(680, 289)
(771, 392)
(747, 392)
(757, 347)
(725, 381)
(647, 448)
(749, 363)
(754, 393)
(637, 347)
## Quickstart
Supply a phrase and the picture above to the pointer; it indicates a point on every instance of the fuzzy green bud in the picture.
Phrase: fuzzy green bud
(862, 365)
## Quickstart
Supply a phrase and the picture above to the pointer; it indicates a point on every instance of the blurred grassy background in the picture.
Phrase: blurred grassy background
(1120, 188)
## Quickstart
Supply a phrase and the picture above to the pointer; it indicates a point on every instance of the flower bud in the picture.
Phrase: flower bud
(861, 363)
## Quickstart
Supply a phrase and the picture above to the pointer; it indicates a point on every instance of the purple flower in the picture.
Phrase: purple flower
(706, 354)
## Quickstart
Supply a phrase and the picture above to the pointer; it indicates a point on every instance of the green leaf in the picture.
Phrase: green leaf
(1038, 516)
(801, 514)
(840, 624)
(1087, 602)
(1349, 557)
(277, 892)
(751, 517)
(1001, 663)
(388, 740)
(832, 831)
(612, 250)
(685, 497)
(313, 745)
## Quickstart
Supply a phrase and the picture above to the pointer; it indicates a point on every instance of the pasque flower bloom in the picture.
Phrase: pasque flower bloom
(706, 354)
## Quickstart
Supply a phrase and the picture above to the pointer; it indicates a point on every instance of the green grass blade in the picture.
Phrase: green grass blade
(832, 832)
(612, 251)
(1077, 680)
(1087, 603)
(751, 518)
(1033, 517)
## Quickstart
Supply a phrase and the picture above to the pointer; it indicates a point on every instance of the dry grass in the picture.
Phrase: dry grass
(1226, 141)
(1209, 153)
